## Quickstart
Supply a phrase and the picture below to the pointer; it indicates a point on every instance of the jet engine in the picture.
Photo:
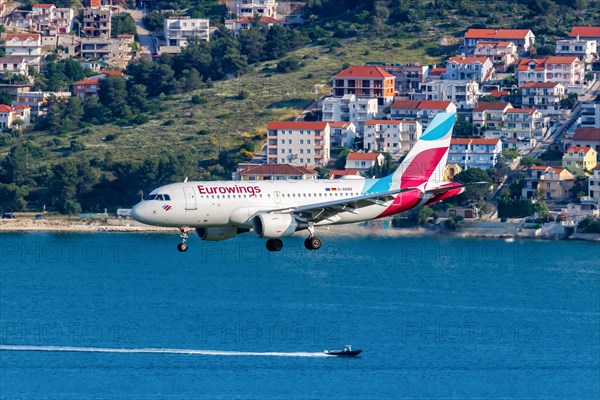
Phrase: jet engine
(216, 234)
(274, 225)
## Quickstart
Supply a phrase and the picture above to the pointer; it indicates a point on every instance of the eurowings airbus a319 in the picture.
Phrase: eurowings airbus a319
(220, 210)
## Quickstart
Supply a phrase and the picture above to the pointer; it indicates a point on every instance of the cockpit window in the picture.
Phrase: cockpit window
(151, 197)
(167, 197)
(158, 197)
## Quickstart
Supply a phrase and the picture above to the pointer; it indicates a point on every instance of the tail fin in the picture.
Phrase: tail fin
(426, 161)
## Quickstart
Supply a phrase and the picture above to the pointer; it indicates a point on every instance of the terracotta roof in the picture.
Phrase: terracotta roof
(364, 72)
(22, 36)
(467, 60)
(524, 64)
(556, 170)
(520, 111)
(496, 33)
(491, 106)
(113, 73)
(437, 71)
(405, 104)
(561, 60)
(363, 156)
(585, 31)
(21, 107)
(434, 104)
(297, 125)
(342, 172)
(541, 85)
(538, 168)
(342, 125)
(587, 134)
(43, 5)
(87, 82)
(474, 141)
(499, 93)
(577, 149)
(264, 20)
(277, 169)
(5, 108)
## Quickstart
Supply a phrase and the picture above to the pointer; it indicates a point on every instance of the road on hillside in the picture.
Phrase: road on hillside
(144, 35)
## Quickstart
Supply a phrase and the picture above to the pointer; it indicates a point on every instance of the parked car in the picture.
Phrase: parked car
(8, 216)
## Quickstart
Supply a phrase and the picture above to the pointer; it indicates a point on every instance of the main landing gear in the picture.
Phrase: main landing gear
(274, 245)
(183, 247)
(312, 242)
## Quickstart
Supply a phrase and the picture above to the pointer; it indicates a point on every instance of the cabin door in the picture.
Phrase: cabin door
(277, 197)
(190, 197)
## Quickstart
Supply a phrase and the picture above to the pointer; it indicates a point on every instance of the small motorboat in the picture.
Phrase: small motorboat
(346, 352)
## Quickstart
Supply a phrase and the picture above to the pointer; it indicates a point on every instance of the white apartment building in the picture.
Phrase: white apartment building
(585, 50)
(422, 111)
(594, 184)
(13, 65)
(475, 153)
(363, 161)
(568, 71)
(36, 100)
(522, 38)
(342, 134)
(464, 94)
(543, 96)
(179, 30)
(462, 68)
(7, 116)
(502, 54)
(391, 136)
(350, 108)
(590, 114)
(250, 8)
(114, 51)
(245, 23)
(26, 45)
(298, 143)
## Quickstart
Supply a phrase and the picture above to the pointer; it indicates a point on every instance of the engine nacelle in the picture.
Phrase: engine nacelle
(216, 234)
(274, 225)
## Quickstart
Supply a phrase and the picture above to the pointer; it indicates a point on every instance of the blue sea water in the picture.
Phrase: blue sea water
(437, 318)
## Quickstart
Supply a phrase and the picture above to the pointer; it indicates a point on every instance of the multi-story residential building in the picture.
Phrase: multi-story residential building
(586, 33)
(245, 23)
(37, 100)
(547, 183)
(298, 143)
(250, 8)
(462, 68)
(365, 82)
(543, 96)
(350, 108)
(594, 185)
(518, 127)
(275, 172)
(464, 94)
(46, 17)
(578, 160)
(585, 137)
(13, 65)
(474, 153)
(522, 38)
(590, 114)
(7, 116)
(115, 51)
(24, 113)
(86, 88)
(502, 54)
(408, 76)
(585, 50)
(178, 31)
(422, 111)
(26, 45)
(363, 161)
(342, 134)
(391, 136)
(97, 23)
(568, 71)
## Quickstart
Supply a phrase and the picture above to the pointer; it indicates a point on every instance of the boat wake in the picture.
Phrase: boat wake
(5, 347)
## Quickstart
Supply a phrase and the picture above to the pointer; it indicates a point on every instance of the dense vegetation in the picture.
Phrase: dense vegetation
(58, 164)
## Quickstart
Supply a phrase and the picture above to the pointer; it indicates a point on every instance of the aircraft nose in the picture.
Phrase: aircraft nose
(136, 212)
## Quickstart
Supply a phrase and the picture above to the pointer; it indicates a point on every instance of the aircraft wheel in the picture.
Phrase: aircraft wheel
(313, 243)
(274, 245)
(182, 247)
(307, 244)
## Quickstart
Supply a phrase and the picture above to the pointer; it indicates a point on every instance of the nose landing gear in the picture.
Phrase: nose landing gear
(274, 245)
(183, 247)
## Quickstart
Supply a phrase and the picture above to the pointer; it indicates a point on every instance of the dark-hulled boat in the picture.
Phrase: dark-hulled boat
(346, 352)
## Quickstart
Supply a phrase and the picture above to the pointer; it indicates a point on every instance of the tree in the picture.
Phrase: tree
(462, 127)
(112, 94)
(137, 98)
(122, 24)
(474, 175)
(12, 197)
(541, 209)
(277, 43)
(71, 207)
(14, 166)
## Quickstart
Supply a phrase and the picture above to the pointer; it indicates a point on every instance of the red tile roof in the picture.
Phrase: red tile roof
(491, 106)
(364, 72)
(363, 156)
(277, 169)
(21, 107)
(587, 134)
(496, 33)
(561, 60)
(43, 5)
(520, 111)
(5, 108)
(467, 60)
(499, 93)
(87, 82)
(541, 85)
(577, 149)
(342, 125)
(538, 168)
(342, 172)
(22, 36)
(437, 71)
(524, 64)
(264, 20)
(434, 104)
(297, 125)
(113, 73)
(585, 31)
